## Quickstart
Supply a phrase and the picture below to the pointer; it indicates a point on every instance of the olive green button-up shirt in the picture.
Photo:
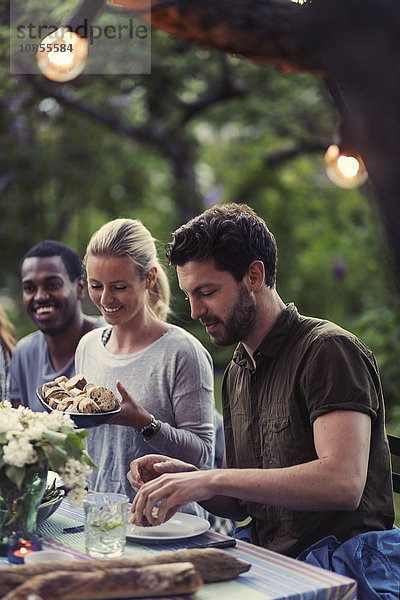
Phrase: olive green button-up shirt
(305, 367)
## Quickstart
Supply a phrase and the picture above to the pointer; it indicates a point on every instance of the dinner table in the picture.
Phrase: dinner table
(271, 576)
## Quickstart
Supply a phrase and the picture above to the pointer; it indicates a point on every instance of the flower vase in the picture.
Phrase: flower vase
(19, 507)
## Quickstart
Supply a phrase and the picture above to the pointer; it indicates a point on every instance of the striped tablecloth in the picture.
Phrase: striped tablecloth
(271, 576)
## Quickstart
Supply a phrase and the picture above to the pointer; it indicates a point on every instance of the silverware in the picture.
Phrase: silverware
(231, 543)
(76, 529)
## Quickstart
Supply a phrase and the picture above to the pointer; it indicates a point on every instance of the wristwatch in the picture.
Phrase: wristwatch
(149, 430)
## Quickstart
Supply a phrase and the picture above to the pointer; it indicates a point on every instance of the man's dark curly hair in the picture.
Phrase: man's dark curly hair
(232, 234)
(70, 258)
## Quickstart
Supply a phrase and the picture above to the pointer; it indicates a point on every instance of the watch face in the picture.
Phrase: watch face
(148, 432)
(150, 429)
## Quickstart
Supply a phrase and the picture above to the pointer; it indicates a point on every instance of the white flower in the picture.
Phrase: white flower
(48, 440)
(10, 422)
(19, 453)
(74, 476)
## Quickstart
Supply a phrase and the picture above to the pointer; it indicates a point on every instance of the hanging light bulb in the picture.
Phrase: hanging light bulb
(62, 55)
(344, 168)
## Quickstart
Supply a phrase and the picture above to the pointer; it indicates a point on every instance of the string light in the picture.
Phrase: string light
(344, 168)
(62, 55)
(344, 165)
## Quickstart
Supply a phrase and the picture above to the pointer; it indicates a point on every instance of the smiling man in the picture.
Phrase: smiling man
(52, 290)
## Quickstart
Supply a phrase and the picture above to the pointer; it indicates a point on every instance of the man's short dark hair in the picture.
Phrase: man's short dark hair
(232, 234)
(70, 258)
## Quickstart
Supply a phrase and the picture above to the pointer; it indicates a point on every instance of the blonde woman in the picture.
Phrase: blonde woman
(7, 345)
(163, 374)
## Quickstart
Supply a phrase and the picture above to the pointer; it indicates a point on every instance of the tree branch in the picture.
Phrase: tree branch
(227, 88)
(148, 135)
(308, 147)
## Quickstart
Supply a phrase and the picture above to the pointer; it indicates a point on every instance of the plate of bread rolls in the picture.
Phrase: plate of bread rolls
(86, 403)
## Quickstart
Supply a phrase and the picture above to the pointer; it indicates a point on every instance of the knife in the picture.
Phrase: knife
(231, 543)
(76, 529)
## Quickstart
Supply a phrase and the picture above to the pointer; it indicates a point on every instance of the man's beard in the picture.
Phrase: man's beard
(57, 329)
(240, 320)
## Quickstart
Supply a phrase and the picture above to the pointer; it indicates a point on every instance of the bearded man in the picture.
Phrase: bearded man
(306, 450)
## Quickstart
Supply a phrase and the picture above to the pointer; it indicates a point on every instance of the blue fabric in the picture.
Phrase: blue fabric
(371, 558)
(243, 532)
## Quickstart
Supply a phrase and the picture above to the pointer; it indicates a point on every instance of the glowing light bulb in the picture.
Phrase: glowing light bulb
(348, 165)
(62, 55)
(344, 170)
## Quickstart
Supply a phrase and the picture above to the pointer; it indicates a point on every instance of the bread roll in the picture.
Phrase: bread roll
(145, 523)
(88, 387)
(87, 405)
(73, 407)
(53, 403)
(65, 403)
(47, 386)
(76, 392)
(77, 381)
(56, 392)
(103, 397)
(154, 580)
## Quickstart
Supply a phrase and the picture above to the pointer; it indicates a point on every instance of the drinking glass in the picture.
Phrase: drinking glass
(106, 516)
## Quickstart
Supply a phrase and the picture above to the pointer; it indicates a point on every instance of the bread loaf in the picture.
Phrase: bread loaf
(142, 582)
(211, 563)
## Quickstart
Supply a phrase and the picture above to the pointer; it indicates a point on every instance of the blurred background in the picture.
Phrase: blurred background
(203, 128)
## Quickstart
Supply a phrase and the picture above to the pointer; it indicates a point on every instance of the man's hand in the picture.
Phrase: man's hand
(170, 492)
(149, 467)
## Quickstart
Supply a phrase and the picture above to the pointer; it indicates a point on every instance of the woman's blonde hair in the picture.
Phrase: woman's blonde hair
(129, 237)
(7, 332)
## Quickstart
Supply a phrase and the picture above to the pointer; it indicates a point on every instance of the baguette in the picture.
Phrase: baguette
(211, 563)
(152, 580)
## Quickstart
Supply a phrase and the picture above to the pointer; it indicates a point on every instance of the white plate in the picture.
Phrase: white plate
(179, 527)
